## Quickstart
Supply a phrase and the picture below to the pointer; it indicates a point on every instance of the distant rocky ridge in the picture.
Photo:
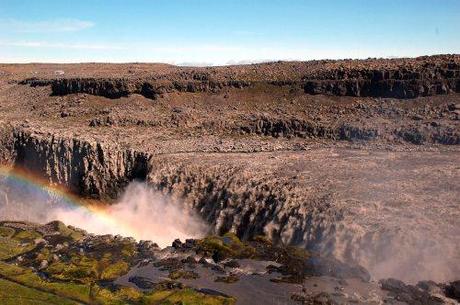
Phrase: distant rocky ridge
(397, 78)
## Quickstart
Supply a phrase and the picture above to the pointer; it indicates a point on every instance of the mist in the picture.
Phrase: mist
(140, 212)
(408, 241)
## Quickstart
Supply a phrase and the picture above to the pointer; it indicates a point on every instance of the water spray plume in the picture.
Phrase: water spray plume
(141, 212)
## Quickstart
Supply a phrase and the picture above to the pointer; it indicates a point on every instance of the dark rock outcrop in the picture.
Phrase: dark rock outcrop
(401, 83)
(89, 169)
(409, 294)
(120, 87)
(304, 129)
(452, 290)
(142, 282)
(323, 266)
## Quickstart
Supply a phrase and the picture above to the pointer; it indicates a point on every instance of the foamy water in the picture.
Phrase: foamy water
(141, 213)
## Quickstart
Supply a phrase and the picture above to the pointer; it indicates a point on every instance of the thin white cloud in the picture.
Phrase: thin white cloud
(183, 54)
(45, 26)
(44, 44)
(144, 47)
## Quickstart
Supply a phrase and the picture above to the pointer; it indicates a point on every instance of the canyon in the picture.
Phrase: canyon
(355, 159)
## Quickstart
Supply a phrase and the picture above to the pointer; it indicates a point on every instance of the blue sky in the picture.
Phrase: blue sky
(203, 32)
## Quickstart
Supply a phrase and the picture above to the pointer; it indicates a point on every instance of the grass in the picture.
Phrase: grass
(27, 278)
(113, 271)
(185, 297)
(16, 294)
(10, 247)
(12, 243)
(67, 232)
(31, 286)
(27, 236)
(6, 232)
(177, 274)
(227, 246)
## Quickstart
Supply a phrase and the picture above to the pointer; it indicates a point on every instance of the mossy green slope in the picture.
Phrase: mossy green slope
(72, 276)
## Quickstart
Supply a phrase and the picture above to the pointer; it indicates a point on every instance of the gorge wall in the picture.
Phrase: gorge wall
(291, 197)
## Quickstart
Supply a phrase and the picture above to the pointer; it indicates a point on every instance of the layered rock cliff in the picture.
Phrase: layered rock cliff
(90, 169)
(396, 78)
(117, 87)
(425, 81)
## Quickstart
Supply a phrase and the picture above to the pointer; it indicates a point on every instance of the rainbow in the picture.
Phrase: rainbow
(96, 209)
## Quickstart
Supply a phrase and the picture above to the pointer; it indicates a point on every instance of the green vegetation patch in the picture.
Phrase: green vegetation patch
(74, 270)
(188, 275)
(66, 231)
(6, 232)
(11, 246)
(185, 297)
(227, 279)
(226, 246)
(29, 279)
(14, 294)
(27, 236)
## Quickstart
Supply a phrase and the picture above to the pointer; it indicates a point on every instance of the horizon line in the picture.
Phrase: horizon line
(229, 63)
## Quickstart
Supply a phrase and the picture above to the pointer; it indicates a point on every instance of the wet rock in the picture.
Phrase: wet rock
(183, 274)
(40, 241)
(177, 244)
(203, 261)
(218, 256)
(43, 265)
(232, 264)
(190, 260)
(408, 293)
(142, 282)
(146, 246)
(218, 269)
(190, 243)
(169, 285)
(452, 290)
(429, 286)
(320, 266)
(232, 278)
(213, 292)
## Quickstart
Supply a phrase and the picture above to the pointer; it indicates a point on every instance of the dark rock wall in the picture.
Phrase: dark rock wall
(304, 129)
(90, 169)
(232, 198)
(401, 84)
(116, 88)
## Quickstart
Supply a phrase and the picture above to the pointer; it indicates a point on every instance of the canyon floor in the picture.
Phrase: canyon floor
(355, 163)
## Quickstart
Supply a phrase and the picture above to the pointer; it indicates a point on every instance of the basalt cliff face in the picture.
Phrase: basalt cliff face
(338, 157)
(426, 80)
(83, 167)
(426, 76)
